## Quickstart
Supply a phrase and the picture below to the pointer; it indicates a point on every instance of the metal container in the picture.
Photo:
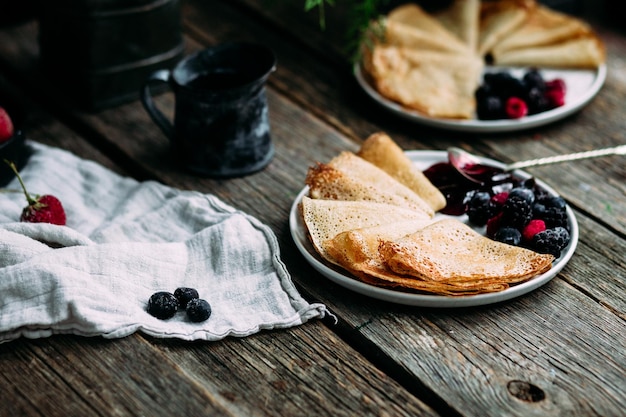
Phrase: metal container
(101, 51)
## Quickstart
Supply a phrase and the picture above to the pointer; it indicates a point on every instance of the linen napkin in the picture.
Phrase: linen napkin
(125, 240)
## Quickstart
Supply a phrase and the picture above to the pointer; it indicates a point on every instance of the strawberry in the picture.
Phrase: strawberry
(6, 126)
(41, 209)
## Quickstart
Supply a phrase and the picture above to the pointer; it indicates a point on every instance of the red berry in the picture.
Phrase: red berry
(6, 126)
(500, 198)
(556, 85)
(555, 92)
(516, 108)
(555, 98)
(41, 209)
(532, 228)
(493, 224)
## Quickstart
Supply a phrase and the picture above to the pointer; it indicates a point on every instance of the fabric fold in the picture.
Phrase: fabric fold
(125, 240)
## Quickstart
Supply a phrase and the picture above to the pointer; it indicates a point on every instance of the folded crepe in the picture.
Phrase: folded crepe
(357, 252)
(543, 27)
(349, 177)
(436, 84)
(462, 19)
(380, 150)
(324, 219)
(450, 251)
(409, 25)
(584, 52)
(499, 18)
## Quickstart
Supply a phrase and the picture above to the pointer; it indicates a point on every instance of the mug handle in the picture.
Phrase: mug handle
(160, 76)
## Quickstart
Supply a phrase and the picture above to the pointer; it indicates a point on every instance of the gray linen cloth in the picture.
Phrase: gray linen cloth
(125, 240)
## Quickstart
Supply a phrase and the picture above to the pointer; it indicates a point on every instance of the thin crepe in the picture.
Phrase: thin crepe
(380, 150)
(499, 18)
(357, 251)
(543, 27)
(436, 84)
(349, 177)
(585, 52)
(451, 251)
(462, 19)
(324, 219)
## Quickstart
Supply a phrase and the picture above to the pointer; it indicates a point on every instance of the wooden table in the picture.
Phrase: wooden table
(557, 351)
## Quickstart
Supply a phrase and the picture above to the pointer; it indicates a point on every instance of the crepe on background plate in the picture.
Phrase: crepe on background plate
(436, 84)
(462, 19)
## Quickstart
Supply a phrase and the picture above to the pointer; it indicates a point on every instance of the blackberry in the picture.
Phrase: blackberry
(551, 241)
(516, 212)
(162, 305)
(555, 217)
(198, 310)
(184, 295)
(537, 101)
(490, 108)
(508, 235)
(480, 208)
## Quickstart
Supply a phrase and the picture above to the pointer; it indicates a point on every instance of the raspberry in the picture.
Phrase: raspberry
(41, 209)
(551, 241)
(554, 99)
(6, 126)
(493, 224)
(198, 310)
(162, 305)
(516, 212)
(532, 228)
(557, 84)
(184, 295)
(555, 92)
(515, 108)
(500, 198)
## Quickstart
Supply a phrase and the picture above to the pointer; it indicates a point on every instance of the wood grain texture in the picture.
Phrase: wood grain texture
(557, 351)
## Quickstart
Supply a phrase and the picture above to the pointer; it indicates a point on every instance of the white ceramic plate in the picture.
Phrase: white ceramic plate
(582, 86)
(424, 159)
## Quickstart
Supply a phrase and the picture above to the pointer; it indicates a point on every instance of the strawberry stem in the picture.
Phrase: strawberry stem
(30, 200)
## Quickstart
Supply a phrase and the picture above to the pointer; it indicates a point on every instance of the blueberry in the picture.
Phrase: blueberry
(198, 310)
(480, 209)
(184, 295)
(162, 305)
(534, 79)
(508, 235)
(525, 193)
(554, 201)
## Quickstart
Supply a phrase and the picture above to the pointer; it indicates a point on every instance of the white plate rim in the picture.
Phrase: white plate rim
(487, 126)
(343, 278)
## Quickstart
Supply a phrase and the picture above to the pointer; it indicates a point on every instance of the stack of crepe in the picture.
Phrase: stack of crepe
(373, 214)
(433, 62)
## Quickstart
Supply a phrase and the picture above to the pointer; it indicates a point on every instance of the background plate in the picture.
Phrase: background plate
(424, 159)
(582, 86)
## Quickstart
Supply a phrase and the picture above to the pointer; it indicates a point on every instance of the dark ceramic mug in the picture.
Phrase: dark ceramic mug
(221, 121)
